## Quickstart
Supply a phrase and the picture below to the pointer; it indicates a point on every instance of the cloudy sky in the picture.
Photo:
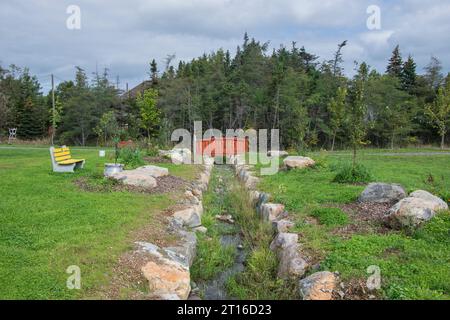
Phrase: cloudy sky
(125, 35)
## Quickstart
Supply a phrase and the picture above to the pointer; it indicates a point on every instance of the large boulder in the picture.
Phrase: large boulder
(135, 178)
(318, 286)
(425, 195)
(382, 192)
(153, 171)
(411, 212)
(297, 162)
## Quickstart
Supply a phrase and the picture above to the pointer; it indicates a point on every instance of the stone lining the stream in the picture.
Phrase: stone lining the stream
(167, 269)
(293, 264)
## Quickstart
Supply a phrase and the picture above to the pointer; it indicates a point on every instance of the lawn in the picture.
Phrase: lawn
(47, 223)
(413, 266)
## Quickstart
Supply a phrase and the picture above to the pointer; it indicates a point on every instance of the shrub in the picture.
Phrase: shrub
(131, 157)
(350, 174)
(331, 217)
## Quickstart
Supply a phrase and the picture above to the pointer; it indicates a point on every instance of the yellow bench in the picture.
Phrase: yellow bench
(62, 160)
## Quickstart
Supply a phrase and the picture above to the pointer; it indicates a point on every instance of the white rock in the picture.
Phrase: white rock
(411, 212)
(153, 171)
(293, 162)
(421, 194)
(135, 178)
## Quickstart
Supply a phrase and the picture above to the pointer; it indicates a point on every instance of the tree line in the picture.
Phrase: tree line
(312, 102)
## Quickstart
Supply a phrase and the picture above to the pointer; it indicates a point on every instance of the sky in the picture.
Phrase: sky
(124, 36)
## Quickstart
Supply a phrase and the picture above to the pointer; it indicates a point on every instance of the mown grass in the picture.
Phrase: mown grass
(413, 266)
(47, 223)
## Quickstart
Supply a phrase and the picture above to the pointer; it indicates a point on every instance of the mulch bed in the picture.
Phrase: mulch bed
(165, 184)
(367, 217)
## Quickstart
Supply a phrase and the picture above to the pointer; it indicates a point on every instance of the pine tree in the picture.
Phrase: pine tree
(154, 72)
(395, 66)
(409, 75)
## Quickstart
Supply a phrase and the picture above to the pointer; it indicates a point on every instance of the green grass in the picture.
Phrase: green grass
(331, 217)
(413, 266)
(47, 224)
(212, 258)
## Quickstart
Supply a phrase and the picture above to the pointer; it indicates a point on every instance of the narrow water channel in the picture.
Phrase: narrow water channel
(215, 288)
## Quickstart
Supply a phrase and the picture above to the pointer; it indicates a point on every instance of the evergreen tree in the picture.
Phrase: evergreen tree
(395, 66)
(409, 75)
(154, 72)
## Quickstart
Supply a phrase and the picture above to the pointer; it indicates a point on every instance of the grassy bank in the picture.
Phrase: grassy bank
(413, 266)
(48, 223)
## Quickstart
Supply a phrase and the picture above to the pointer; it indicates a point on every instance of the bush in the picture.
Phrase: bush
(331, 217)
(131, 157)
(356, 174)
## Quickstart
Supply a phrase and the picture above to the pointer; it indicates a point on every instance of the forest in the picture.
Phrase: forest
(313, 103)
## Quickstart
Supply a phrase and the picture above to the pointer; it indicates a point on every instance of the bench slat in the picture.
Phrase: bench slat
(71, 161)
(61, 149)
(60, 154)
(59, 159)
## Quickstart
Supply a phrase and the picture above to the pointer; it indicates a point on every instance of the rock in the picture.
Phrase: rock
(282, 225)
(382, 192)
(283, 240)
(197, 192)
(153, 171)
(277, 153)
(253, 196)
(191, 198)
(190, 217)
(240, 247)
(271, 211)
(200, 229)
(251, 182)
(186, 249)
(263, 198)
(180, 156)
(225, 218)
(421, 194)
(292, 264)
(318, 286)
(294, 162)
(411, 212)
(167, 278)
(135, 178)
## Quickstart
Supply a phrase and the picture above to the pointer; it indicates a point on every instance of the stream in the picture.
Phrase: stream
(214, 289)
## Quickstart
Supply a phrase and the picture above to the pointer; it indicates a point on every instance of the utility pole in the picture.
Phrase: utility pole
(53, 111)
